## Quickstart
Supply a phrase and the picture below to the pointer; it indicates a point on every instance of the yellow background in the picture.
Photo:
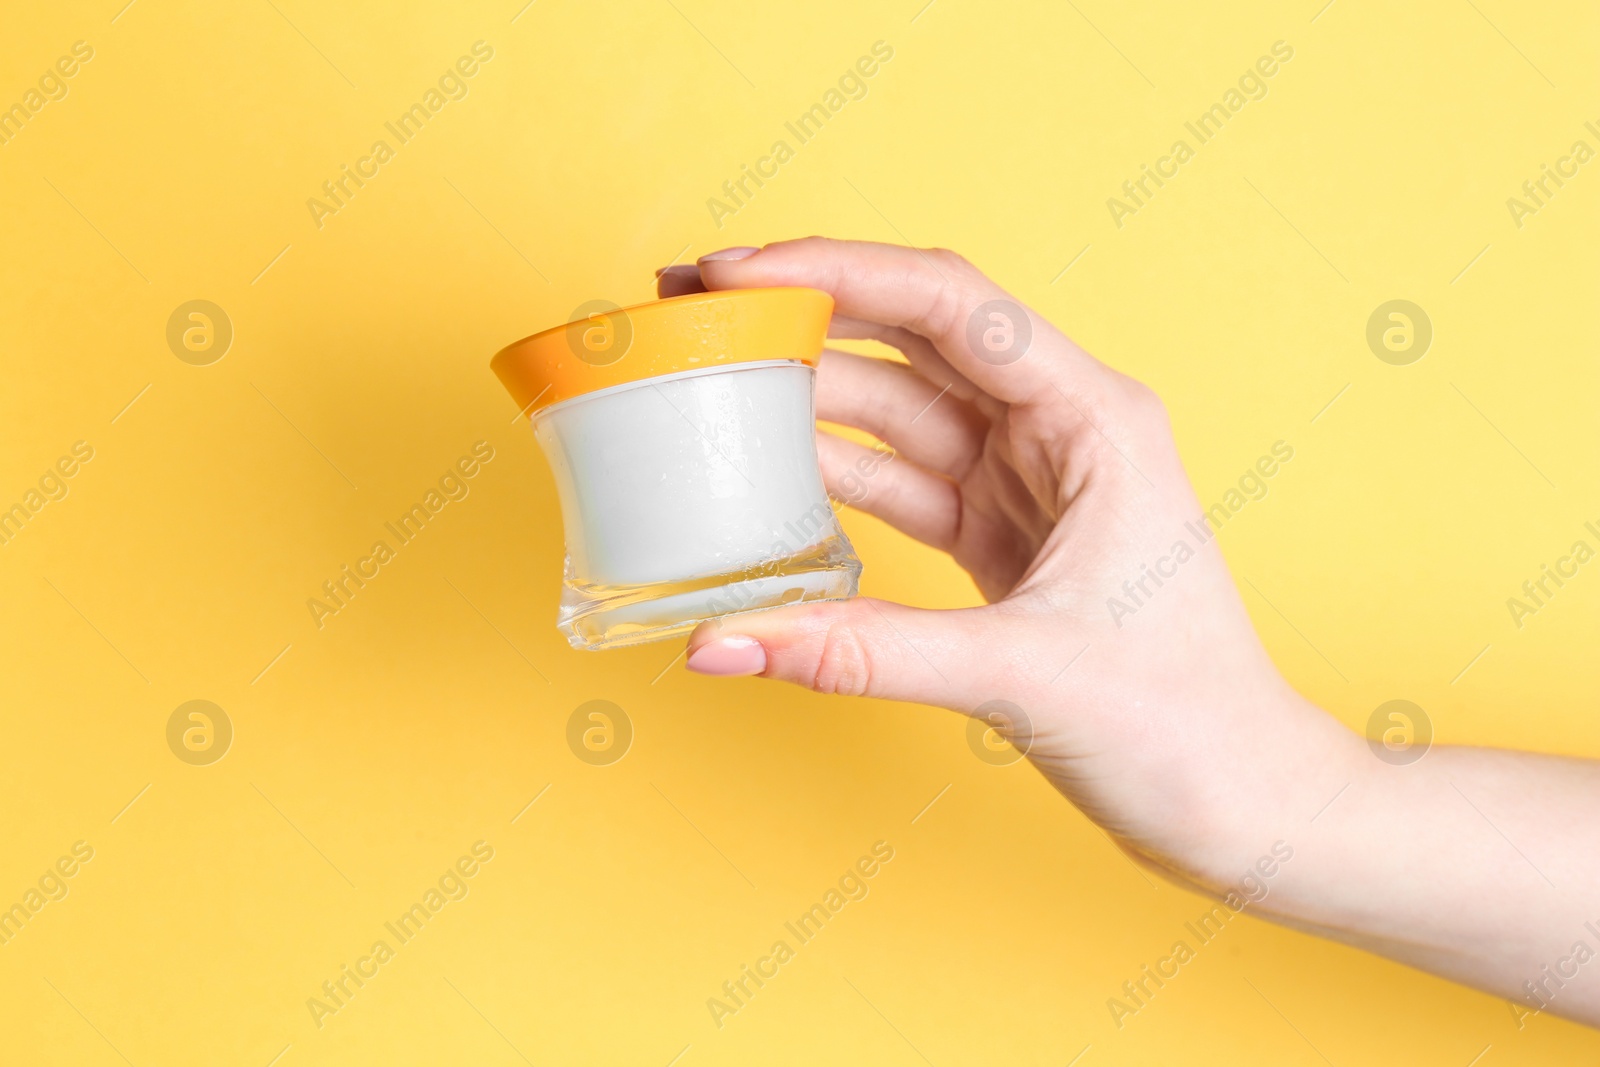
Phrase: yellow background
(423, 718)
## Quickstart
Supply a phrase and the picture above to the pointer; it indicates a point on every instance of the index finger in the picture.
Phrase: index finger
(995, 341)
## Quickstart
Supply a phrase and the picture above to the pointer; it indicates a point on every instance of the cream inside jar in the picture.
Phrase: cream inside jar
(688, 480)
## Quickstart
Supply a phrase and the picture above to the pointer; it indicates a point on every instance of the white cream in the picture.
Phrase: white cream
(691, 495)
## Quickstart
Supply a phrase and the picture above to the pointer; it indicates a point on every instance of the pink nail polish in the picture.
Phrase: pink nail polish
(741, 252)
(728, 657)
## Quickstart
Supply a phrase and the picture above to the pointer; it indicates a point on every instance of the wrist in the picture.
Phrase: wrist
(1247, 811)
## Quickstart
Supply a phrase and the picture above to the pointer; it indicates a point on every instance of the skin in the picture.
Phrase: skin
(1053, 480)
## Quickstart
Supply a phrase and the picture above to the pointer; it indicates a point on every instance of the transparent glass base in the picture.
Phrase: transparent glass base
(596, 616)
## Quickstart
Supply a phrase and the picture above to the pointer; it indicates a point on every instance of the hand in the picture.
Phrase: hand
(1113, 624)
(1111, 621)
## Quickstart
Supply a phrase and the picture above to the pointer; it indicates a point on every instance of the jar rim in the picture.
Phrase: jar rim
(545, 411)
(605, 346)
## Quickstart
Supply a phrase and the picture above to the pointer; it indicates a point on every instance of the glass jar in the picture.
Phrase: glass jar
(681, 435)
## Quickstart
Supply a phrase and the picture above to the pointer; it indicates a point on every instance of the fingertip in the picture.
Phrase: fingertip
(722, 255)
(703, 634)
(726, 655)
(680, 279)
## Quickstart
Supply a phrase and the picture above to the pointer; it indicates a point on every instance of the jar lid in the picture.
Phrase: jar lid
(606, 346)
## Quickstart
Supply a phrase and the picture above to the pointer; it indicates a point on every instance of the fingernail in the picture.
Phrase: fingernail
(678, 268)
(728, 657)
(742, 252)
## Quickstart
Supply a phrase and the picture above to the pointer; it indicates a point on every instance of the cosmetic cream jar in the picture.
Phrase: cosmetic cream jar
(681, 436)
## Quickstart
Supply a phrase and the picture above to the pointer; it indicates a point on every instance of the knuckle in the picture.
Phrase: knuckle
(958, 287)
(818, 245)
(946, 310)
(844, 667)
(1145, 403)
(945, 257)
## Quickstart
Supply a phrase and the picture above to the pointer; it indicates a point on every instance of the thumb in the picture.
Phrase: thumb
(863, 647)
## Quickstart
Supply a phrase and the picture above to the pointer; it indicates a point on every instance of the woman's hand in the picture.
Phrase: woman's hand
(1116, 634)
(1112, 622)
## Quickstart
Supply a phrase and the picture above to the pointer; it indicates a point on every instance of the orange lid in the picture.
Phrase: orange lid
(605, 346)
